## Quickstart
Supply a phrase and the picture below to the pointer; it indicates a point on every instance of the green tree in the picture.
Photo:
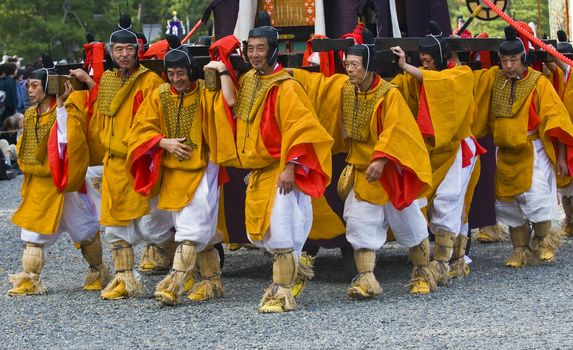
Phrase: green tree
(31, 27)
(522, 10)
(28, 28)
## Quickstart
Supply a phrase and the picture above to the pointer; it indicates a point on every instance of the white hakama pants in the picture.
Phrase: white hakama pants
(447, 212)
(539, 202)
(197, 221)
(79, 218)
(291, 220)
(367, 224)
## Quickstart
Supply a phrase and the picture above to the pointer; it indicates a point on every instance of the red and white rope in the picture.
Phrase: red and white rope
(527, 34)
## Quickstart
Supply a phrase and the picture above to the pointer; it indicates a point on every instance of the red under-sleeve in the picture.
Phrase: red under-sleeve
(467, 153)
(223, 177)
(92, 98)
(270, 131)
(401, 185)
(533, 121)
(58, 166)
(423, 118)
(145, 165)
(137, 101)
(557, 135)
(556, 83)
(312, 180)
(230, 118)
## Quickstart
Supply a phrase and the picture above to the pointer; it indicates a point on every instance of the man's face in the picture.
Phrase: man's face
(257, 53)
(427, 61)
(179, 78)
(461, 23)
(512, 66)
(355, 69)
(124, 55)
(35, 90)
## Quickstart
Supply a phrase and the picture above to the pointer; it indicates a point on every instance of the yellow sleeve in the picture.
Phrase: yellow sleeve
(567, 95)
(77, 148)
(409, 87)
(483, 81)
(555, 120)
(402, 140)
(557, 123)
(557, 80)
(300, 127)
(325, 94)
(146, 123)
(218, 126)
(449, 94)
(80, 99)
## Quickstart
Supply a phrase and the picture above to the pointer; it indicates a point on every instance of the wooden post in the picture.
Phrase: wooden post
(566, 4)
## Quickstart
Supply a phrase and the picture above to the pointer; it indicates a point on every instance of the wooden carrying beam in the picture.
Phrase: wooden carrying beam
(56, 84)
(411, 44)
(157, 65)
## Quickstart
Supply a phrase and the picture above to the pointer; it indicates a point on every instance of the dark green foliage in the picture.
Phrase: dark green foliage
(522, 10)
(28, 28)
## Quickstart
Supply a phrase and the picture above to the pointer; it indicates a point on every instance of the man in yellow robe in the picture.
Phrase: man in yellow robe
(534, 134)
(272, 129)
(166, 149)
(53, 156)
(94, 65)
(127, 216)
(444, 109)
(388, 166)
(560, 76)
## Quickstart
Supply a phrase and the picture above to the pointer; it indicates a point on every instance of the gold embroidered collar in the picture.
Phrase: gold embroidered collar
(253, 89)
(358, 107)
(508, 95)
(110, 87)
(178, 118)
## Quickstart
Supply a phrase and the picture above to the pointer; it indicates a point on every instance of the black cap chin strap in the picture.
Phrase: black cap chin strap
(439, 46)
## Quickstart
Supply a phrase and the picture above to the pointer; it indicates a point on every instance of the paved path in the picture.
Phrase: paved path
(493, 308)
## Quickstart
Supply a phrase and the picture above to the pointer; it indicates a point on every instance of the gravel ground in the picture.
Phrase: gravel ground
(493, 308)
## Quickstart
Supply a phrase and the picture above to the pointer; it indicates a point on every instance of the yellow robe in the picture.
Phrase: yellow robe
(557, 79)
(81, 100)
(179, 179)
(251, 144)
(451, 107)
(397, 138)
(114, 111)
(42, 199)
(565, 91)
(514, 166)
